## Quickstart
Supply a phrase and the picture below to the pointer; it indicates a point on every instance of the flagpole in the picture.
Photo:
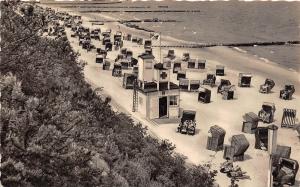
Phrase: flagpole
(160, 47)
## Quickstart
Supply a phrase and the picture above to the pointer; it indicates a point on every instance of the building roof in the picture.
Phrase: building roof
(146, 56)
(149, 87)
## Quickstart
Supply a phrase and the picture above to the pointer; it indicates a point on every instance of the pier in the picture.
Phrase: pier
(137, 11)
(134, 21)
(246, 44)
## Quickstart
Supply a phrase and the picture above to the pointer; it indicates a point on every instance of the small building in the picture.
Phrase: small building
(215, 140)
(250, 122)
(157, 96)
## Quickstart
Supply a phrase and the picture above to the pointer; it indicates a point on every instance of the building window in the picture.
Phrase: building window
(140, 100)
(148, 64)
(163, 75)
(173, 100)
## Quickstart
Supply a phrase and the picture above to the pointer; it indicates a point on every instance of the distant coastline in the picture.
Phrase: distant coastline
(261, 49)
(217, 22)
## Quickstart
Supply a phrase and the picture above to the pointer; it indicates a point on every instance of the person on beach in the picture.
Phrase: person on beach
(227, 166)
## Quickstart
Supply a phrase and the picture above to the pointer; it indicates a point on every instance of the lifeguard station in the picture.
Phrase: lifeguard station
(154, 96)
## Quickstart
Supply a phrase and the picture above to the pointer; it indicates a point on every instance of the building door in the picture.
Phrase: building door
(163, 106)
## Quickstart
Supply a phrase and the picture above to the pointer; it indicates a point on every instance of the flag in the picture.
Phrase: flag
(154, 36)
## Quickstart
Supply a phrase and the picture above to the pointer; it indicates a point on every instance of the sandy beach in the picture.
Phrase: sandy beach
(227, 114)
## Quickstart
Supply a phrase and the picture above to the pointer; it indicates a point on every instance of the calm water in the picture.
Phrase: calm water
(225, 22)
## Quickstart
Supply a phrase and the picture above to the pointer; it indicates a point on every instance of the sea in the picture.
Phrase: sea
(218, 22)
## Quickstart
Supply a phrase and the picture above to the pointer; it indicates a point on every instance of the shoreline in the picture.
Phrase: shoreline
(244, 44)
(169, 40)
(172, 41)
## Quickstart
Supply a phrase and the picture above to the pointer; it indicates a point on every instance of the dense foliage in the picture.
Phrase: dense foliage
(55, 130)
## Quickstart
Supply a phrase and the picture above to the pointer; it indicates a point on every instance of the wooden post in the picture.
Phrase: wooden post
(272, 145)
